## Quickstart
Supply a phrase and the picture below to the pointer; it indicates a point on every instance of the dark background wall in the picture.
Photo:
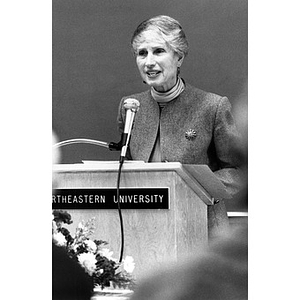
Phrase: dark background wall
(93, 66)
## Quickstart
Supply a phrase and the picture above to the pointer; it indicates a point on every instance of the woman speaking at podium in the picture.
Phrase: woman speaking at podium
(177, 122)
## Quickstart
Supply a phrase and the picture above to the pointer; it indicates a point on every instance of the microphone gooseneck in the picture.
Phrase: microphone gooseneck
(81, 141)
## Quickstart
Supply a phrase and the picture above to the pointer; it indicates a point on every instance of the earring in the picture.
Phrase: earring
(178, 71)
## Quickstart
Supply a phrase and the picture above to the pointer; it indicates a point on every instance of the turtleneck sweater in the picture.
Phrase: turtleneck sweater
(162, 98)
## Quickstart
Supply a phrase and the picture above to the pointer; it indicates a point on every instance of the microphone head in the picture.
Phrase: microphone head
(132, 104)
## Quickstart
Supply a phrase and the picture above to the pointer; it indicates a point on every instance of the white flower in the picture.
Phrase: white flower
(105, 252)
(129, 264)
(91, 245)
(54, 227)
(88, 261)
(59, 239)
(80, 225)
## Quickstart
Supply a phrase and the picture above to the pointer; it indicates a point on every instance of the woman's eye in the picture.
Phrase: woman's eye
(159, 50)
(142, 53)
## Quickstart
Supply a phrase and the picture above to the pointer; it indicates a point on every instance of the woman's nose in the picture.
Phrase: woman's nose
(150, 61)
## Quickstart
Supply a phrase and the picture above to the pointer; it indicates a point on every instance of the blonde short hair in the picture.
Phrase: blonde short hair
(169, 29)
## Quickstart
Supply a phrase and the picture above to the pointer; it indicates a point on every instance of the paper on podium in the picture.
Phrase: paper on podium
(209, 181)
(111, 161)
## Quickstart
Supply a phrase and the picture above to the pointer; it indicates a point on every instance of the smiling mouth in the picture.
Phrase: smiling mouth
(152, 74)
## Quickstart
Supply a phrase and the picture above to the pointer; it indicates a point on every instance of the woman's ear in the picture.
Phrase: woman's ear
(180, 60)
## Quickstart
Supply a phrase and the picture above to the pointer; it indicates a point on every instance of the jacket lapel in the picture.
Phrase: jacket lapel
(145, 128)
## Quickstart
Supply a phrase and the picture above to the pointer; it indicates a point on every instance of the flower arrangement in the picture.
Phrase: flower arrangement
(94, 256)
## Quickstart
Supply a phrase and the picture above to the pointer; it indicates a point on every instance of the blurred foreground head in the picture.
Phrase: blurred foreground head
(220, 273)
(69, 280)
(56, 155)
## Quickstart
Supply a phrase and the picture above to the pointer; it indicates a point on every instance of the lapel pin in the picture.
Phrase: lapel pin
(190, 134)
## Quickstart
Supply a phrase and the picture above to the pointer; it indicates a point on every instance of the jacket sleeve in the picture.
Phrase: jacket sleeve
(229, 149)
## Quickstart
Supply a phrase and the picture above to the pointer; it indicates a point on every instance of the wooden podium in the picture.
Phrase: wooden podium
(152, 236)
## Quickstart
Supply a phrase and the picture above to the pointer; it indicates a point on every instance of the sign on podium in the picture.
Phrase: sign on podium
(165, 206)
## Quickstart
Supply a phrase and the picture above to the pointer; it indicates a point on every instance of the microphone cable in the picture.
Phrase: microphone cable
(119, 209)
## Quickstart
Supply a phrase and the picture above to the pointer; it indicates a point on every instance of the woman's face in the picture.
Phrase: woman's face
(156, 61)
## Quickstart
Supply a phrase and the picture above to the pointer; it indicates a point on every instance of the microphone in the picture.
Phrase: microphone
(131, 106)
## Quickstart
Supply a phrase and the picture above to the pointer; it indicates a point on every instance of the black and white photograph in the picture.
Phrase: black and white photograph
(150, 140)
(157, 142)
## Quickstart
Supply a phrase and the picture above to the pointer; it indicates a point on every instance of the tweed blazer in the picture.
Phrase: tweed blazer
(206, 115)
